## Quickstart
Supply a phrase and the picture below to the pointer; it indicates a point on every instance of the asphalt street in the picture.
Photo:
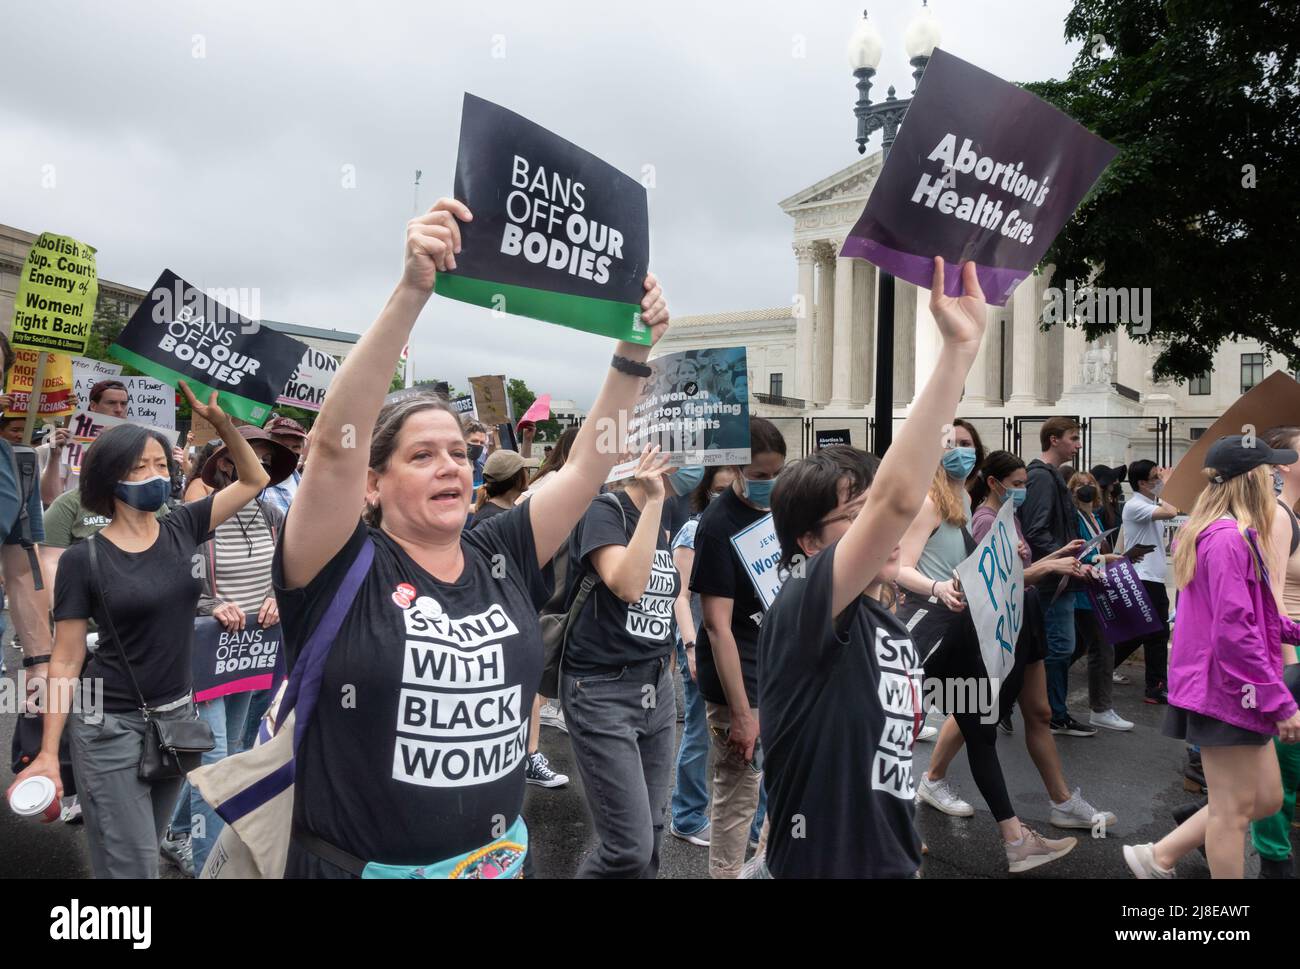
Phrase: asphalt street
(1137, 775)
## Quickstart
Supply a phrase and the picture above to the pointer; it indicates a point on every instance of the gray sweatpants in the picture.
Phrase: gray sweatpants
(125, 817)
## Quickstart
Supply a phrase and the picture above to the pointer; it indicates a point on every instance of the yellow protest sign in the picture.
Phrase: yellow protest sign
(59, 399)
(55, 303)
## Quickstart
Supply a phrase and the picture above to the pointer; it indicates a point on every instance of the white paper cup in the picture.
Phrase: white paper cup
(34, 797)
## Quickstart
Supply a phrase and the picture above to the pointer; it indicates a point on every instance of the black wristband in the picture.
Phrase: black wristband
(631, 367)
(688, 645)
(30, 661)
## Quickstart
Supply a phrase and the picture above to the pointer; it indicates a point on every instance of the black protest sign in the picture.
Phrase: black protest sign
(557, 235)
(233, 662)
(981, 170)
(827, 438)
(181, 333)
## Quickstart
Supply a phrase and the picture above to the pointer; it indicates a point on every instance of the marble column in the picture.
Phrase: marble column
(1024, 346)
(805, 312)
(824, 330)
(977, 383)
(864, 332)
(927, 342)
(843, 353)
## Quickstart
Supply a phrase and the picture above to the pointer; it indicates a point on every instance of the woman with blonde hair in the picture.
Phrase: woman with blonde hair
(1226, 689)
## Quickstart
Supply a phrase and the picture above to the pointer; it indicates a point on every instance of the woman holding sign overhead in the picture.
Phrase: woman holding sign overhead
(616, 683)
(141, 588)
(839, 673)
(413, 764)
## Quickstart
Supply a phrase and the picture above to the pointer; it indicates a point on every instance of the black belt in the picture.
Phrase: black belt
(325, 851)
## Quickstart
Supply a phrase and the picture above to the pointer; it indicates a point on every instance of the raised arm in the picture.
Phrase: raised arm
(557, 508)
(252, 477)
(625, 569)
(328, 503)
(899, 489)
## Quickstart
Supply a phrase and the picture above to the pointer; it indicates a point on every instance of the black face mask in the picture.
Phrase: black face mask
(1087, 494)
(475, 450)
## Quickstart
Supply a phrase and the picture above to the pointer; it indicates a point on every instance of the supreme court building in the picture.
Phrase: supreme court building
(812, 362)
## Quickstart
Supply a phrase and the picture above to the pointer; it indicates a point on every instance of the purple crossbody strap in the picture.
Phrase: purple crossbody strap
(304, 681)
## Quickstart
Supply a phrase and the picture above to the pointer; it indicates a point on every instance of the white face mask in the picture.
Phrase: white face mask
(1158, 487)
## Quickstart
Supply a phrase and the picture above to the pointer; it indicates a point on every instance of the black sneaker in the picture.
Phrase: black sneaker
(1070, 727)
(1156, 696)
(538, 771)
(1006, 726)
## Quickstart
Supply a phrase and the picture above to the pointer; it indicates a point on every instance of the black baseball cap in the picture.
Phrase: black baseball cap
(1107, 477)
(1231, 456)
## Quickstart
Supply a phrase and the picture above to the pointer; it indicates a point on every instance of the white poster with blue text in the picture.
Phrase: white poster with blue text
(759, 549)
(993, 580)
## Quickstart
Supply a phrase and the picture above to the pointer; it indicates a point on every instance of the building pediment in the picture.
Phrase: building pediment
(829, 209)
(853, 182)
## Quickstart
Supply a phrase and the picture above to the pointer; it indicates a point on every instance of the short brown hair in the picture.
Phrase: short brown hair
(1055, 427)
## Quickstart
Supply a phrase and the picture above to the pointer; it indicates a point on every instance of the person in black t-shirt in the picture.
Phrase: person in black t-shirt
(147, 572)
(617, 686)
(414, 758)
(504, 480)
(839, 676)
(727, 647)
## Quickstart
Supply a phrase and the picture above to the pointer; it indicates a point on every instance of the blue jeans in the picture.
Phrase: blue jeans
(691, 792)
(259, 701)
(193, 815)
(1058, 621)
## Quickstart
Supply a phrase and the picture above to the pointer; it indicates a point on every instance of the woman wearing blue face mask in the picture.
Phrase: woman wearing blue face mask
(147, 592)
(1003, 478)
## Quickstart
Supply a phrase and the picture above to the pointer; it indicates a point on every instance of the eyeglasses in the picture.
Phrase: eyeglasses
(848, 516)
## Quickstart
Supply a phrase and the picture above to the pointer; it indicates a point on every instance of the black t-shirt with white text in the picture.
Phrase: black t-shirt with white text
(840, 705)
(608, 633)
(152, 596)
(416, 751)
(719, 571)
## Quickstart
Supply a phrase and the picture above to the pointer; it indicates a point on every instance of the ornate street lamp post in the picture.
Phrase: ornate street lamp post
(865, 46)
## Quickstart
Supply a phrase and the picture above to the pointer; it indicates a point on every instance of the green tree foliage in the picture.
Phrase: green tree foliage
(1201, 206)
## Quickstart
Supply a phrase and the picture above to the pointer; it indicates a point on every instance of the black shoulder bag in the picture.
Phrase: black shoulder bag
(557, 626)
(172, 748)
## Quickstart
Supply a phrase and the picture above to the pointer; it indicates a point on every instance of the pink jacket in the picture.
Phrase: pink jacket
(1226, 660)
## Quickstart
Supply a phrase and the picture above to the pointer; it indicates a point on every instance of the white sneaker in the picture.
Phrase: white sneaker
(1110, 720)
(1078, 813)
(700, 837)
(552, 715)
(1141, 861)
(927, 734)
(1118, 677)
(940, 796)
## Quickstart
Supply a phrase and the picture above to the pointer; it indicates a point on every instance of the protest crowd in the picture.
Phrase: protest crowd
(427, 575)
(341, 647)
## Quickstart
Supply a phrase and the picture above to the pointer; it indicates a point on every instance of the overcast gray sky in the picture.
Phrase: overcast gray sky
(228, 168)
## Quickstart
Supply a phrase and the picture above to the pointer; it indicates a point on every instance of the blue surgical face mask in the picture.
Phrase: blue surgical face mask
(758, 492)
(959, 462)
(685, 480)
(1015, 495)
(1277, 482)
(148, 495)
